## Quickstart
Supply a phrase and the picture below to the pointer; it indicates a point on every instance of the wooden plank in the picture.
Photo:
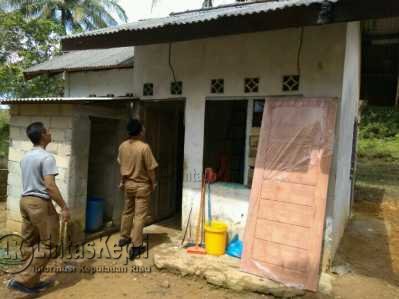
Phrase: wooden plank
(286, 213)
(287, 192)
(282, 233)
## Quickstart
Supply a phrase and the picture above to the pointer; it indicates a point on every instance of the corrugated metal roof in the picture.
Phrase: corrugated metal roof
(56, 100)
(85, 60)
(203, 15)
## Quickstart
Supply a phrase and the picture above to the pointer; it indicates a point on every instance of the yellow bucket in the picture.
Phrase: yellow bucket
(215, 238)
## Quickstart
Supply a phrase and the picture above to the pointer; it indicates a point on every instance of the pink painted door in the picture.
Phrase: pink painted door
(284, 230)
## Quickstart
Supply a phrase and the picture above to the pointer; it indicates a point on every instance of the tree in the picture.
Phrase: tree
(74, 15)
(22, 44)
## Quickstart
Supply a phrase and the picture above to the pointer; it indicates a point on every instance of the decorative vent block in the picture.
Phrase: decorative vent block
(251, 85)
(176, 87)
(291, 83)
(217, 86)
(148, 89)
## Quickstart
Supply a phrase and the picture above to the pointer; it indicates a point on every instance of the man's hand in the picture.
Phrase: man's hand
(121, 186)
(66, 216)
(154, 186)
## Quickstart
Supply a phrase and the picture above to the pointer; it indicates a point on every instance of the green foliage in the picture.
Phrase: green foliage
(379, 122)
(73, 15)
(4, 132)
(22, 44)
(379, 134)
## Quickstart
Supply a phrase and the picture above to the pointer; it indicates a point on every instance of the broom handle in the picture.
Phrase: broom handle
(199, 221)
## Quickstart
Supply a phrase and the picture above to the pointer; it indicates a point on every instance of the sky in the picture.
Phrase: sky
(136, 9)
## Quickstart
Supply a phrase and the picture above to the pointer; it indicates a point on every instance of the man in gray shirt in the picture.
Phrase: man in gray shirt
(40, 227)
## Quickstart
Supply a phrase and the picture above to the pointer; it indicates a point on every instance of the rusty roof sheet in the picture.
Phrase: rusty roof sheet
(64, 100)
(85, 60)
(203, 15)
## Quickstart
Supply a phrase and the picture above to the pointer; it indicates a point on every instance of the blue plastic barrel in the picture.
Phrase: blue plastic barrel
(94, 213)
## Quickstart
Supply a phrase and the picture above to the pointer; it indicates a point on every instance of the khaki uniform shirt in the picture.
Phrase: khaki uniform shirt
(136, 159)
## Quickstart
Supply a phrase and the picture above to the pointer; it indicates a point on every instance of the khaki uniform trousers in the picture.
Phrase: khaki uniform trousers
(40, 230)
(135, 211)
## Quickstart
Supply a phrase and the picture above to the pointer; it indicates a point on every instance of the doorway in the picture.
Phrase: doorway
(103, 172)
(224, 141)
(164, 128)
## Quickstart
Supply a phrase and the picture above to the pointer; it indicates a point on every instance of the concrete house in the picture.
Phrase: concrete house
(87, 126)
(200, 82)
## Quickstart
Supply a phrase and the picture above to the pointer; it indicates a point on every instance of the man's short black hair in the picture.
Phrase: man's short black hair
(35, 131)
(134, 127)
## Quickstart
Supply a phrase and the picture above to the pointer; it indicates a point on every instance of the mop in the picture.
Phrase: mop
(197, 249)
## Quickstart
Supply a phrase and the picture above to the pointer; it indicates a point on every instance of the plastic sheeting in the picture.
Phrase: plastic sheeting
(284, 229)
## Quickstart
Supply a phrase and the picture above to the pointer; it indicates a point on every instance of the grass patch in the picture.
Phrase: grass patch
(377, 174)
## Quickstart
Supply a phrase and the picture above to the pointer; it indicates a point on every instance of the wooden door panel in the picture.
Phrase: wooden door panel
(287, 192)
(284, 230)
(292, 258)
(282, 233)
(286, 213)
(161, 123)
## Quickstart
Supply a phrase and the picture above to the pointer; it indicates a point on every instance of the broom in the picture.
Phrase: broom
(197, 249)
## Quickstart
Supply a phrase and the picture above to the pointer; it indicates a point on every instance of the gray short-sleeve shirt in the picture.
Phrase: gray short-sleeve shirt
(35, 165)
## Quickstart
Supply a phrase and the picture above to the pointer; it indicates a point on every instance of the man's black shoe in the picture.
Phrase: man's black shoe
(124, 242)
(43, 285)
(136, 252)
(13, 284)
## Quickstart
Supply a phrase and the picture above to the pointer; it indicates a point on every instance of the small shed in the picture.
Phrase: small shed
(87, 125)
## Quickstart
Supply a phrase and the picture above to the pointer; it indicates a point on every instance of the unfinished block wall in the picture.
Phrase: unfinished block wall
(56, 117)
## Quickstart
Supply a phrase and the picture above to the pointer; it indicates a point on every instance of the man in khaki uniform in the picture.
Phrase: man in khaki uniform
(137, 168)
(40, 226)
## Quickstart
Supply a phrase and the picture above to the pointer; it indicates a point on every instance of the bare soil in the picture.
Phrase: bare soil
(370, 247)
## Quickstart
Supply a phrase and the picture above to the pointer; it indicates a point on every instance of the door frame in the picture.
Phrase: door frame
(180, 104)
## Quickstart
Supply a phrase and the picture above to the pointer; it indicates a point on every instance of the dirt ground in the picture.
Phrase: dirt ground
(370, 247)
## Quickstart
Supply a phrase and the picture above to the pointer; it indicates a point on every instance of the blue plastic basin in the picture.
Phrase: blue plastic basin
(94, 213)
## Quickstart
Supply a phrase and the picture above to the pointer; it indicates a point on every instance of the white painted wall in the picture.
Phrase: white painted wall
(348, 112)
(118, 82)
(268, 55)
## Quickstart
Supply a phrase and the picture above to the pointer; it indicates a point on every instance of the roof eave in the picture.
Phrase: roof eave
(295, 16)
(28, 75)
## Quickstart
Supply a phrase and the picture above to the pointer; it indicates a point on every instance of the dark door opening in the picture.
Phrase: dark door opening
(164, 127)
(379, 74)
(224, 141)
(103, 171)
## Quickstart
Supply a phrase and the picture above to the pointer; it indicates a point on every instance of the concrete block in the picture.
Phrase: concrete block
(13, 205)
(14, 167)
(29, 109)
(223, 271)
(64, 149)
(52, 148)
(15, 154)
(43, 119)
(14, 178)
(21, 145)
(61, 122)
(14, 190)
(68, 135)
(20, 121)
(17, 133)
(61, 161)
(57, 135)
